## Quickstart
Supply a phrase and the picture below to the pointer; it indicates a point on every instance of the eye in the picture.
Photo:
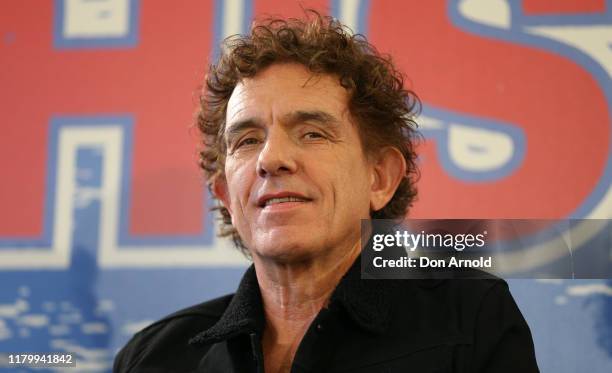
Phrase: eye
(313, 135)
(247, 141)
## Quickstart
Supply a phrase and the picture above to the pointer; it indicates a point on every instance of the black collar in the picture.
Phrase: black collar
(367, 302)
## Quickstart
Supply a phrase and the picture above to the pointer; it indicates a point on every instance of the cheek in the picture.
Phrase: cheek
(230, 176)
(238, 186)
(357, 188)
(351, 188)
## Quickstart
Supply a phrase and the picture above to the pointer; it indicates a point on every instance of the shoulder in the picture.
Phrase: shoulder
(463, 292)
(170, 335)
(485, 317)
(458, 305)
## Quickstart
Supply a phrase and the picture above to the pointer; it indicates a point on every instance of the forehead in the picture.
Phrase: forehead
(284, 88)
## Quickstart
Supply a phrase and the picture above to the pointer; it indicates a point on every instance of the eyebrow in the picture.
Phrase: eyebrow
(319, 116)
(241, 125)
(292, 118)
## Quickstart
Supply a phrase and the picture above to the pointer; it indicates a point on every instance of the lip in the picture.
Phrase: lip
(261, 201)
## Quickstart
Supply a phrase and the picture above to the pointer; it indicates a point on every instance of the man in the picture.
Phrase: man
(307, 130)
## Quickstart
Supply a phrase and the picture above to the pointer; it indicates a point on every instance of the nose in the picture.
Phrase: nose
(277, 156)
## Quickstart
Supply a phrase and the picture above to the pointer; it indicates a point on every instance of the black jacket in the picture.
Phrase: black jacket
(369, 326)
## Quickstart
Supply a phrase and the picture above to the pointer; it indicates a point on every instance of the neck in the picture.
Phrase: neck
(294, 292)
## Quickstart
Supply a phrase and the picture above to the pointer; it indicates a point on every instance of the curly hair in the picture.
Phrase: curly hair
(383, 109)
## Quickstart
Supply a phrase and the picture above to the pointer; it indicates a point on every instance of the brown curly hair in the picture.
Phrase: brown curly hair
(383, 109)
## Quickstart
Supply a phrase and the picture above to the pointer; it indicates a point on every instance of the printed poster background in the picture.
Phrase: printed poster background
(104, 225)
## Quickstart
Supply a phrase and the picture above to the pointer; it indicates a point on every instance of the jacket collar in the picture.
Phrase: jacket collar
(367, 302)
(243, 315)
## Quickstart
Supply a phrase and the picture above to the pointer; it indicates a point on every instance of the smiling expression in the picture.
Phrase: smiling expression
(297, 181)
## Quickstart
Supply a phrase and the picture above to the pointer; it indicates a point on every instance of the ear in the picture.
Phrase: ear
(219, 189)
(389, 169)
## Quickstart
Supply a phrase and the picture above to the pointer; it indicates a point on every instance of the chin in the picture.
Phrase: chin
(283, 250)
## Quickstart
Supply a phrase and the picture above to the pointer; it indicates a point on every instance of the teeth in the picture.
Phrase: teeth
(273, 201)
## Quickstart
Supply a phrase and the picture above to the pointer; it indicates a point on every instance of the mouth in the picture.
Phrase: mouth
(281, 198)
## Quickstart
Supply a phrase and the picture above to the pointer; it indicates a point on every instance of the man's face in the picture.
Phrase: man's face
(297, 180)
